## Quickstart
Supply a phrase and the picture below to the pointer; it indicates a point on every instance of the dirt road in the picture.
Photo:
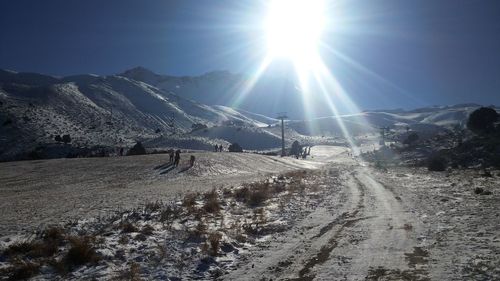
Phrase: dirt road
(361, 232)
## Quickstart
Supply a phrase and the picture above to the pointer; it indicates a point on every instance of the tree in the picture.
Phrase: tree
(58, 138)
(482, 120)
(66, 139)
(137, 149)
(235, 147)
(295, 149)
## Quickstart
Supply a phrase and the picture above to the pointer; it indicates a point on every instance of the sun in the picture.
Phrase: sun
(294, 28)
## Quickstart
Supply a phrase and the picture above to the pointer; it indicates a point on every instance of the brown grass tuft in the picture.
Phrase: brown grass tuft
(211, 202)
(128, 227)
(214, 239)
(147, 230)
(81, 252)
(21, 270)
(189, 201)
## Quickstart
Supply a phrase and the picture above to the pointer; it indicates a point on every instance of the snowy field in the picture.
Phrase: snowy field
(36, 193)
(248, 217)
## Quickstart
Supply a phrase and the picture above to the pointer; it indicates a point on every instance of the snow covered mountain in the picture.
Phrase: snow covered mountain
(110, 111)
(429, 119)
(266, 96)
(117, 110)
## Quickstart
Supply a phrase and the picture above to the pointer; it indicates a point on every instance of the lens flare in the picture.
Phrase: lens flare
(294, 28)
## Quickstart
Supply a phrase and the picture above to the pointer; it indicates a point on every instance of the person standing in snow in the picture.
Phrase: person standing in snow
(171, 155)
(177, 157)
(191, 161)
(220, 148)
(216, 148)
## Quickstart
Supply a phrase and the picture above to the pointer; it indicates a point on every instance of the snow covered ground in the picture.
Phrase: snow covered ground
(251, 217)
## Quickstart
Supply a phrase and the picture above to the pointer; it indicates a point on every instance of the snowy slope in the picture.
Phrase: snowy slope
(110, 111)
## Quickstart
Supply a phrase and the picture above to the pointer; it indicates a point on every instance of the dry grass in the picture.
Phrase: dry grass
(128, 227)
(21, 270)
(170, 213)
(214, 239)
(32, 249)
(212, 204)
(408, 227)
(133, 273)
(242, 194)
(147, 230)
(198, 233)
(259, 193)
(152, 207)
(81, 252)
(189, 201)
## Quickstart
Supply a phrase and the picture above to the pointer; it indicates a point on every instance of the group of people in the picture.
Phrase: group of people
(218, 148)
(175, 158)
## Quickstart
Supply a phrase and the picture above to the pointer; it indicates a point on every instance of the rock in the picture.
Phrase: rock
(478, 190)
(486, 192)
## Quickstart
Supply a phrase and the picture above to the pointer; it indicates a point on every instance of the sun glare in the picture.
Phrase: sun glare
(294, 28)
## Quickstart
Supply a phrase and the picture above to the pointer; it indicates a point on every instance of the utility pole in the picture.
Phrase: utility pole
(282, 116)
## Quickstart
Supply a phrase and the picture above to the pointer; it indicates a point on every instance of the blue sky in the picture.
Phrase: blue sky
(406, 53)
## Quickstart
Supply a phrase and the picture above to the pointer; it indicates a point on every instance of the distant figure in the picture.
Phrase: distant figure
(121, 151)
(171, 155)
(220, 148)
(177, 157)
(216, 148)
(191, 161)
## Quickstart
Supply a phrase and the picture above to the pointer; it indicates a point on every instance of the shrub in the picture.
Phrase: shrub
(147, 230)
(132, 274)
(211, 202)
(22, 270)
(66, 139)
(482, 120)
(258, 196)
(189, 201)
(137, 149)
(235, 147)
(296, 148)
(242, 194)
(436, 163)
(128, 227)
(214, 239)
(58, 138)
(81, 252)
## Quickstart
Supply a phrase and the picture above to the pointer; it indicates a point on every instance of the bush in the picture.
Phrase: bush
(296, 148)
(81, 252)
(436, 164)
(58, 138)
(137, 149)
(235, 147)
(211, 202)
(66, 139)
(22, 270)
(482, 120)
(214, 239)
